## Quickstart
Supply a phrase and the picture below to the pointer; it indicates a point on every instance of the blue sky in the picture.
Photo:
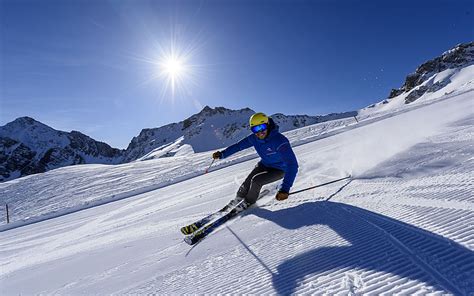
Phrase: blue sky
(92, 66)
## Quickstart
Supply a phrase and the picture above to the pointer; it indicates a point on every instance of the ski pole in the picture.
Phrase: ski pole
(207, 170)
(320, 185)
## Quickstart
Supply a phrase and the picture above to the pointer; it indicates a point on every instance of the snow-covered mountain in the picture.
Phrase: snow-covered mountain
(440, 76)
(212, 128)
(29, 147)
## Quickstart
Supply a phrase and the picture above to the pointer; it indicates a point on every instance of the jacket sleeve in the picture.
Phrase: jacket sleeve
(241, 145)
(289, 158)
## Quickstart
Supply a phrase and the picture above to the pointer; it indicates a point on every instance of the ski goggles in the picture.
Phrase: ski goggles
(259, 128)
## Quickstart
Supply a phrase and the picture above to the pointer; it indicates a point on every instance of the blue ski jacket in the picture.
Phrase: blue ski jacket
(275, 151)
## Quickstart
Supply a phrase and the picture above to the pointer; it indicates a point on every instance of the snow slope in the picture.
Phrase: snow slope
(450, 81)
(404, 225)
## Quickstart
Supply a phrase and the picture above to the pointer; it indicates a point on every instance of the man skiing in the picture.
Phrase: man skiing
(277, 160)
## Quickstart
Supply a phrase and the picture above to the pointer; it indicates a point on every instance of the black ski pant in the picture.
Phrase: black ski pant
(259, 176)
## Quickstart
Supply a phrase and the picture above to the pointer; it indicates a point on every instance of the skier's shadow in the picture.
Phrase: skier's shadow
(401, 249)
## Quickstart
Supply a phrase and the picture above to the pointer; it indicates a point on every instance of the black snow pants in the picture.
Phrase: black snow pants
(259, 176)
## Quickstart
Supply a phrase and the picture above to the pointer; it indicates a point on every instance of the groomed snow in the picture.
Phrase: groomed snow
(403, 225)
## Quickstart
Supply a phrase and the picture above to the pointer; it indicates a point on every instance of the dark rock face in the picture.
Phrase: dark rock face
(417, 93)
(14, 157)
(460, 56)
(89, 146)
(29, 147)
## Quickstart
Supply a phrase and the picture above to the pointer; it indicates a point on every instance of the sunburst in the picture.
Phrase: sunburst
(175, 70)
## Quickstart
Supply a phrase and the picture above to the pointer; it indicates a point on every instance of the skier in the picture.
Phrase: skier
(277, 160)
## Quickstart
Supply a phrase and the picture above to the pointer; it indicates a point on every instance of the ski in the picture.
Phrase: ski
(191, 228)
(203, 232)
(199, 234)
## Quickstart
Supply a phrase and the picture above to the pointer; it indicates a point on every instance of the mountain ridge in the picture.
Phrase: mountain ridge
(214, 128)
(28, 146)
(461, 55)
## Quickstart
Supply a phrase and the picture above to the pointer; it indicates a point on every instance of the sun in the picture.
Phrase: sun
(174, 69)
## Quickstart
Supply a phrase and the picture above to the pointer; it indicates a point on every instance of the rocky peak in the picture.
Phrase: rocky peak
(208, 112)
(28, 146)
(24, 121)
(460, 56)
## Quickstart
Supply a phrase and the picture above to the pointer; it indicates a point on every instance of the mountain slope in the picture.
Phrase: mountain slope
(29, 147)
(211, 129)
(456, 58)
(403, 225)
(450, 73)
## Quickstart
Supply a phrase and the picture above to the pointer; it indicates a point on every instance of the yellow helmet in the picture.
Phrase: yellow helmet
(258, 118)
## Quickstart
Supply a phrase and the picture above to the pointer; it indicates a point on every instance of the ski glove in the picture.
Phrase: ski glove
(217, 155)
(281, 195)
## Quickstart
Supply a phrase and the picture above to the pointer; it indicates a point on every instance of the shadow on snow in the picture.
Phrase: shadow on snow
(375, 243)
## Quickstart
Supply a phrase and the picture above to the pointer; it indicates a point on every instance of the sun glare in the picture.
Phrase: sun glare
(173, 67)
(175, 71)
